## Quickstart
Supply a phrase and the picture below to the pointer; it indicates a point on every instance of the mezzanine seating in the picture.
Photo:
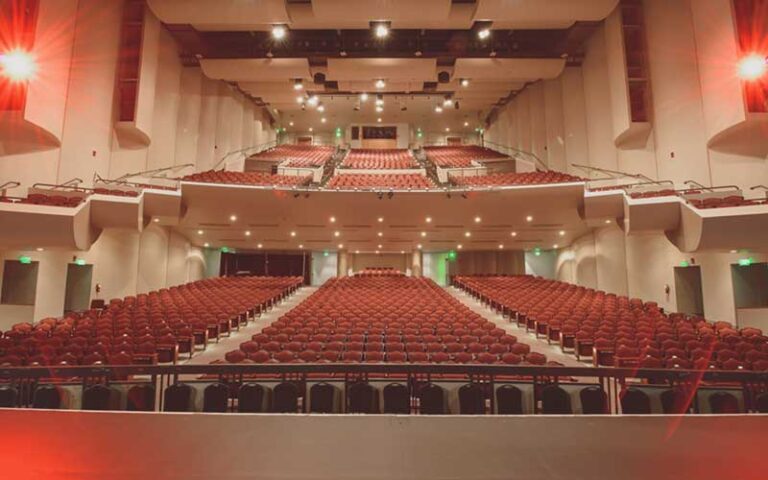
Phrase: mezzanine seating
(460, 156)
(617, 330)
(379, 159)
(248, 178)
(505, 179)
(298, 155)
(394, 181)
(383, 319)
(52, 200)
(147, 328)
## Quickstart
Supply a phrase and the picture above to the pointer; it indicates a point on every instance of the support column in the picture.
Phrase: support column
(342, 263)
(416, 263)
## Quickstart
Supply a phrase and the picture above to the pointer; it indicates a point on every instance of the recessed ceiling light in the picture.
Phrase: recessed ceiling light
(313, 101)
(379, 246)
(323, 120)
(378, 120)
(562, 233)
(279, 32)
(200, 232)
(501, 246)
(607, 222)
(381, 30)
(423, 234)
(341, 245)
(418, 246)
(464, 82)
(336, 233)
(380, 83)
(379, 109)
(363, 97)
(206, 244)
(233, 218)
(381, 234)
(40, 249)
(311, 129)
(438, 109)
(293, 234)
(734, 251)
(300, 99)
(259, 245)
(357, 251)
(466, 124)
(321, 108)
(247, 233)
(377, 252)
(555, 246)
(484, 33)
(529, 218)
(460, 246)
(428, 219)
(514, 234)
(447, 129)
(332, 219)
(301, 246)
(381, 219)
(298, 84)
(156, 220)
(467, 234)
(478, 219)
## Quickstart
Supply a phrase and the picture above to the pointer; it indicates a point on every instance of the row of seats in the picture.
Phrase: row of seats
(616, 330)
(148, 328)
(460, 156)
(298, 155)
(394, 181)
(528, 178)
(379, 159)
(729, 201)
(383, 319)
(362, 397)
(44, 199)
(379, 271)
(247, 178)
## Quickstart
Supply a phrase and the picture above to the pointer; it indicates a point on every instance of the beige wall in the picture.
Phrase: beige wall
(401, 262)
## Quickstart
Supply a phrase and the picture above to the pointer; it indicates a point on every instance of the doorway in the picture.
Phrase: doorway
(750, 294)
(690, 298)
(77, 296)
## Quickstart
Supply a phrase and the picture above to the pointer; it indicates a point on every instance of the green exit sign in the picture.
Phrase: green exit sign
(745, 262)
(25, 259)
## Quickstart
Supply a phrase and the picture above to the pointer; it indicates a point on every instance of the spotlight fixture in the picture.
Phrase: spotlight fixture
(380, 234)
(484, 33)
(313, 101)
(447, 129)
(447, 101)
(607, 222)
(341, 245)
(156, 220)
(300, 99)
(753, 67)
(279, 32)
(301, 247)
(332, 219)
(363, 97)
(200, 232)
(379, 246)
(320, 107)
(381, 29)
(418, 246)
(423, 234)
(259, 246)
(311, 129)
(380, 84)
(438, 109)
(562, 233)
(379, 100)
(464, 82)
(298, 84)
(501, 246)
(459, 246)
(467, 234)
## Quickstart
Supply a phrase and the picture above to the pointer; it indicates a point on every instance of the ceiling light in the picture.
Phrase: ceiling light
(259, 246)
(379, 109)
(423, 234)
(279, 32)
(380, 83)
(311, 129)
(40, 249)
(501, 246)
(467, 234)
(323, 120)
(357, 251)
(562, 233)
(200, 232)
(464, 82)
(428, 219)
(378, 120)
(607, 222)
(206, 244)
(363, 97)
(418, 246)
(247, 233)
(447, 129)
(529, 218)
(753, 67)
(17, 65)
(301, 246)
(460, 246)
(377, 252)
(447, 102)
(438, 109)
(293, 234)
(336, 233)
(484, 33)
(156, 220)
(300, 99)
(513, 234)
(298, 84)
(466, 124)
(380, 100)
(555, 246)
(341, 245)
(321, 107)
(233, 218)
(313, 101)
(290, 124)
(332, 219)
(478, 219)
(381, 234)
(381, 219)
(381, 29)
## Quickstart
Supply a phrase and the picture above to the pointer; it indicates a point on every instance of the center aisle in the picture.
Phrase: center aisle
(216, 351)
(552, 352)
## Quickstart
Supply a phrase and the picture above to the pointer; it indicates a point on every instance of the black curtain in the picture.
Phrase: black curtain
(267, 264)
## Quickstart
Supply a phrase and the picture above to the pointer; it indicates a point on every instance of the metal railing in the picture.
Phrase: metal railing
(611, 174)
(245, 152)
(613, 382)
(154, 173)
(516, 153)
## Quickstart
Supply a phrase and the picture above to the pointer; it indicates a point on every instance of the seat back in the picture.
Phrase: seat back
(635, 402)
(47, 396)
(361, 398)
(471, 400)
(9, 397)
(761, 403)
(98, 397)
(285, 398)
(722, 402)
(178, 398)
(674, 401)
(397, 399)
(594, 400)
(141, 398)
(251, 398)
(509, 400)
(431, 400)
(555, 401)
(322, 397)
(215, 398)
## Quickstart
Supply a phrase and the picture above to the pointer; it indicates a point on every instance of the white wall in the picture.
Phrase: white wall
(323, 267)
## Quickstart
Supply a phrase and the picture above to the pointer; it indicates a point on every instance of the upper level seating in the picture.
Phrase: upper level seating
(617, 330)
(398, 181)
(383, 319)
(728, 201)
(247, 178)
(528, 178)
(51, 200)
(146, 328)
(460, 156)
(379, 159)
(298, 155)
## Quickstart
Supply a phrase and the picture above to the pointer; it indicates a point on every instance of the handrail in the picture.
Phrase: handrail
(695, 184)
(609, 172)
(652, 182)
(762, 187)
(67, 185)
(150, 173)
(710, 189)
(11, 184)
(261, 147)
(522, 153)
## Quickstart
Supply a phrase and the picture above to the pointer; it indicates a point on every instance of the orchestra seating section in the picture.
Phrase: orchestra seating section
(460, 156)
(379, 272)
(507, 179)
(616, 330)
(148, 328)
(248, 178)
(309, 156)
(383, 319)
(400, 181)
(379, 159)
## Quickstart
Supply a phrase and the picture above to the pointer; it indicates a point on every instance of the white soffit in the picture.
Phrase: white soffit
(364, 11)
(394, 69)
(256, 69)
(220, 13)
(542, 13)
(509, 69)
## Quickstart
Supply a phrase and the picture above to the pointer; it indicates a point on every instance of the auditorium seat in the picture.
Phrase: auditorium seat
(368, 181)
(460, 156)
(379, 159)
(510, 179)
(248, 178)
(310, 156)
